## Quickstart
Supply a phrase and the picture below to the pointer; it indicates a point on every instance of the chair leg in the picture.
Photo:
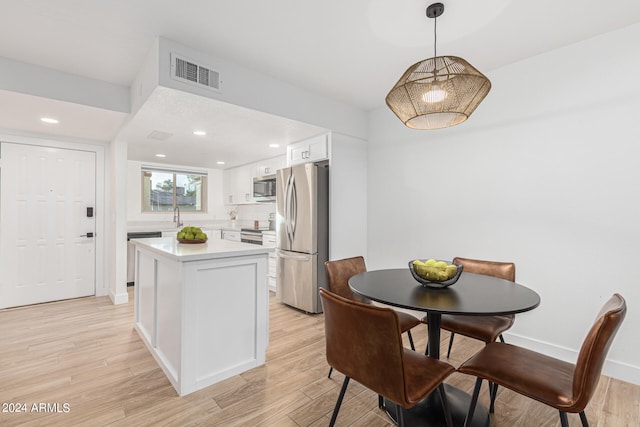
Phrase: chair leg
(493, 392)
(380, 401)
(493, 389)
(564, 422)
(400, 415)
(426, 349)
(330, 371)
(583, 418)
(450, 344)
(411, 341)
(445, 405)
(339, 402)
(474, 401)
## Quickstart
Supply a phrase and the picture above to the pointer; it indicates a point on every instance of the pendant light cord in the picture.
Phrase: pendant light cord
(435, 36)
(435, 51)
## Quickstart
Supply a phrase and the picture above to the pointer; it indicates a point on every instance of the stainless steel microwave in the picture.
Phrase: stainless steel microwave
(264, 188)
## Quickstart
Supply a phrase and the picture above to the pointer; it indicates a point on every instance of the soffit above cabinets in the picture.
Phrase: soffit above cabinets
(235, 135)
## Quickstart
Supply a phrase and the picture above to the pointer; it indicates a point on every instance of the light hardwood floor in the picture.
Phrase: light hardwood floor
(85, 357)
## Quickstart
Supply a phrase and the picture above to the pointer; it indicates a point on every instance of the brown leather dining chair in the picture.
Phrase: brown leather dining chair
(338, 274)
(364, 342)
(564, 386)
(483, 328)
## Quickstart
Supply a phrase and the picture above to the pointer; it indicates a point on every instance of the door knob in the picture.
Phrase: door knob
(87, 235)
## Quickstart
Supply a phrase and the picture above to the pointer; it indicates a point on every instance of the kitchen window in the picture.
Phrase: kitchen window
(165, 189)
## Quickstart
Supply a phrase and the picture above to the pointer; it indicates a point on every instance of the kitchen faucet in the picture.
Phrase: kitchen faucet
(176, 219)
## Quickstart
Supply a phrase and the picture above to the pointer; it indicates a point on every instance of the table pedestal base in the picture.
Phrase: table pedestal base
(429, 411)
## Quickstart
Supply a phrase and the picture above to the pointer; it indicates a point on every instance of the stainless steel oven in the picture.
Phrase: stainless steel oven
(264, 188)
(251, 235)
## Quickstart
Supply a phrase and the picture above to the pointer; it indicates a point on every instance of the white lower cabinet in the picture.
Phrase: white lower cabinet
(232, 235)
(210, 232)
(170, 233)
(269, 240)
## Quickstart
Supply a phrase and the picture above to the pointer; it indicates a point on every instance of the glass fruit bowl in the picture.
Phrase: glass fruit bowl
(427, 275)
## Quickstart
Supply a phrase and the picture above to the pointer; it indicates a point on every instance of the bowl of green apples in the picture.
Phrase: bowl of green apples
(435, 273)
(191, 235)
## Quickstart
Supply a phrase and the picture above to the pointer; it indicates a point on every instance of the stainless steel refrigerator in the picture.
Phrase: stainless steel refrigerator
(302, 233)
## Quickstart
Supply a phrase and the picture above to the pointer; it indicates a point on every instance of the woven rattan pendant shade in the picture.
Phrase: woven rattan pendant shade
(465, 88)
(438, 92)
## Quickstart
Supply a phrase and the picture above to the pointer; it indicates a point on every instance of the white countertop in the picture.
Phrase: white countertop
(212, 248)
(133, 226)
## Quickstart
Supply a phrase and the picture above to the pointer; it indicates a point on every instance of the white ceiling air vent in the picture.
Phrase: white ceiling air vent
(187, 71)
(159, 135)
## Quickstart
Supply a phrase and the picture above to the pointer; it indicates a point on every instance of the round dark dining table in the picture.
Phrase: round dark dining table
(472, 295)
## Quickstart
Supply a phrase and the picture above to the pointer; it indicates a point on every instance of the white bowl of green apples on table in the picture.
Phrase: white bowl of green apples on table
(191, 235)
(434, 273)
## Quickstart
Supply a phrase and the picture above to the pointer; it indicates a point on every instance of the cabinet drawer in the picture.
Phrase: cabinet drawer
(269, 240)
(231, 235)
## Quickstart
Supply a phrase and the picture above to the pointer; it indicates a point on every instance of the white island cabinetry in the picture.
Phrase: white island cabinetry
(185, 297)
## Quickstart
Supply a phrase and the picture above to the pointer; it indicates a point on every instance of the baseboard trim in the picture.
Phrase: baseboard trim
(121, 298)
(612, 368)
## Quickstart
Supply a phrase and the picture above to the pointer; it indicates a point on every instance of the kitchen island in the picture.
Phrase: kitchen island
(202, 309)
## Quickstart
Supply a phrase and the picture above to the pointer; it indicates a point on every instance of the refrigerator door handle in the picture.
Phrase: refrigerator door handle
(299, 257)
(287, 210)
(294, 207)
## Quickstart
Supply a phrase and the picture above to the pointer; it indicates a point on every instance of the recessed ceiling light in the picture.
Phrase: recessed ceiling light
(274, 145)
(49, 120)
(199, 132)
(220, 163)
(161, 155)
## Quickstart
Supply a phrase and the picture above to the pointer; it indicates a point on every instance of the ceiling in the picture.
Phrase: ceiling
(235, 135)
(352, 51)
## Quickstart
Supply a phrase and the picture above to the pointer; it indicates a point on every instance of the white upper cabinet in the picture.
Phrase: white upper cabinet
(228, 185)
(310, 150)
(237, 184)
(270, 166)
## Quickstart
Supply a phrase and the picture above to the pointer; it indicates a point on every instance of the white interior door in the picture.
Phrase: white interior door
(45, 254)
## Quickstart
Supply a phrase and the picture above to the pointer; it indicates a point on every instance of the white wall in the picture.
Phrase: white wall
(247, 88)
(347, 197)
(117, 230)
(49, 83)
(215, 209)
(545, 174)
(249, 213)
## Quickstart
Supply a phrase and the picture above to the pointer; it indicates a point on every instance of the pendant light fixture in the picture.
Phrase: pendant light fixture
(438, 92)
